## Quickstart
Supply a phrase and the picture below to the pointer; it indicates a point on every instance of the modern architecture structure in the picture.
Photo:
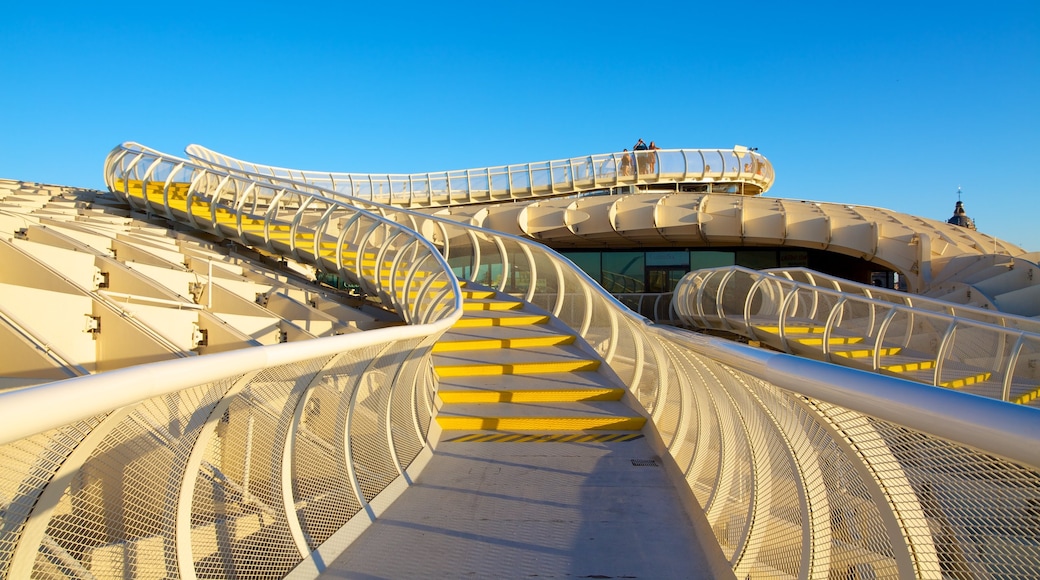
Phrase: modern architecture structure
(225, 369)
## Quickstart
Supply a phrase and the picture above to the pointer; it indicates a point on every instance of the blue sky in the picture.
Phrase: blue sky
(882, 103)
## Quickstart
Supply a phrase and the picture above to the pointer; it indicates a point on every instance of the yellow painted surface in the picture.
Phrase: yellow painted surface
(531, 396)
(792, 329)
(511, 321)
(544, 438)
(1028, 397)
(541, 423)
(867, 352)
(910, 366)
(516, 368)
(493, 343)
(831, 340)
(966, 381)
(497, 305)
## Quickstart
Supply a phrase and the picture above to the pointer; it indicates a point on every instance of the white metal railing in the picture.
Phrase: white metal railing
(509, 182)
(986, 353)
(812, 470)
(803, 469)
(915, 301)
(800, 472)
(655, 306)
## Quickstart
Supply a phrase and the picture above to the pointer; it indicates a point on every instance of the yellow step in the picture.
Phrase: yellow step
(530, 396)
(834, 340)
(966, 381)
(474, 305)
(487, 370)
(493, 343)
(496, 437)
(867, 352)
(520, 320)
(1027, 397)
(792, 329)
(541, 423)
(910, 366)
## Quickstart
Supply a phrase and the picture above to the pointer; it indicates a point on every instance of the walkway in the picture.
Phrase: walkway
(532, 510)
(540, 469)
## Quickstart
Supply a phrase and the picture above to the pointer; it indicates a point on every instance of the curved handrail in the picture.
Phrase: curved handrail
(354, 243)
(34, 410)
(529, 180)
(1003, 319)
(986, 353)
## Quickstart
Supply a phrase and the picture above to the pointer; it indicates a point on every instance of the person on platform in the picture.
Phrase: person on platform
(642, 158)
(626, 164)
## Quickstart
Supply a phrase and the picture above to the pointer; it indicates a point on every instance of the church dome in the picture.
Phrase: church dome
(960, 217)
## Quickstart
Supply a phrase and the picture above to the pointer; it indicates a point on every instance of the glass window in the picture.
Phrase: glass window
(587, 261)
(709, 259)
(623, 271)
(757, 259)
(668, 258)
(794, 259)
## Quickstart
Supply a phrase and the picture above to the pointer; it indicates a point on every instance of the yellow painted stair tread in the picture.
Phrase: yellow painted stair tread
(510, 437)
(521, 320)
(792, 329)
(493, 343)
(867, 352)
(541, 423)
(474, 305)
(471, 370)
(910, 366)
(531, 395)
(967, 381)
(831, 340)
(1028, 397)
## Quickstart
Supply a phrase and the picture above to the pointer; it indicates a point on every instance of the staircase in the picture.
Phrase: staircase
(509, 373)
(850, 349)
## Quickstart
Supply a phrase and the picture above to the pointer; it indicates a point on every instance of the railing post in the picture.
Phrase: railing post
(1016, 350)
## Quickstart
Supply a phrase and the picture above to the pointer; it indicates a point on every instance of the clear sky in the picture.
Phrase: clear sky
(892, 104)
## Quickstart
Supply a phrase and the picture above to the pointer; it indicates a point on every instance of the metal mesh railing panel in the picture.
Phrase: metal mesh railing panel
(873, 499)
(242, 497)
(322, 492)
(29, 466)
(117, 516)
(699, 453)
(981, 511)
(403, 407)
(368, 436)
(729, 508)
(669, 410)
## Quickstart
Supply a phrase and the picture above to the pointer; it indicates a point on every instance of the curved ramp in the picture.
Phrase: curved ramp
(737, 170)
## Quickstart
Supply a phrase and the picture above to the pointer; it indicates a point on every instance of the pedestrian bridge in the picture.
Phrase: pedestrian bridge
(500, 415)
